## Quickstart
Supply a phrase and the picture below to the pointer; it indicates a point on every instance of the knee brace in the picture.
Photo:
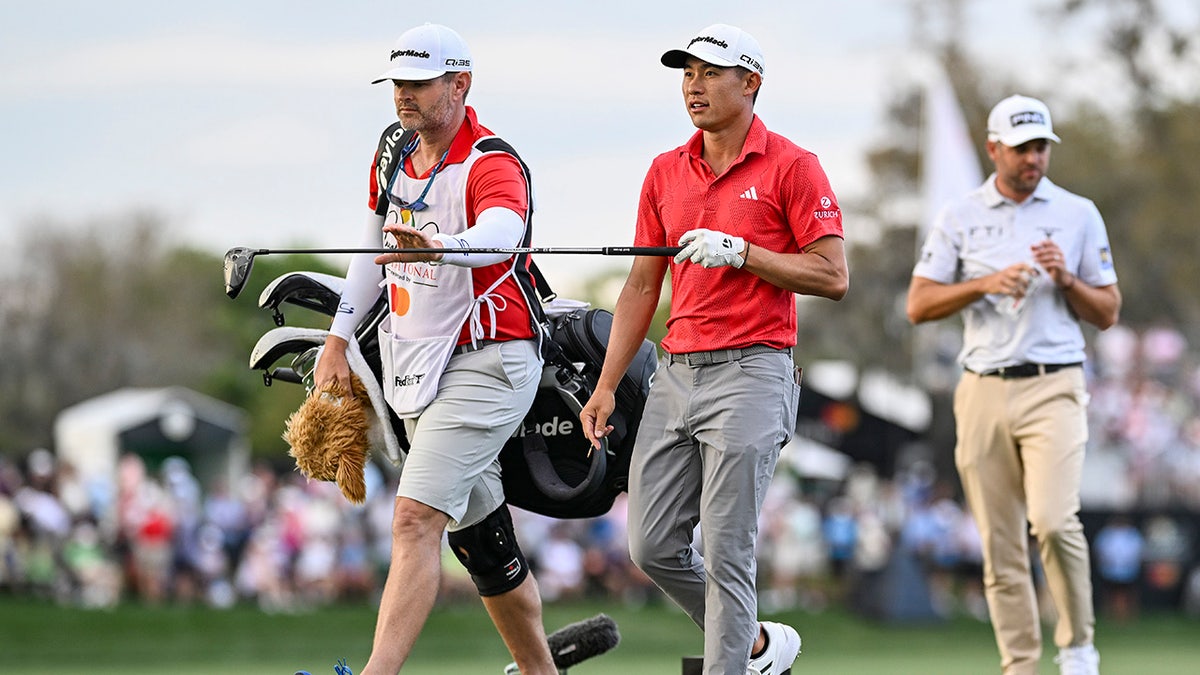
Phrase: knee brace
(489, 551)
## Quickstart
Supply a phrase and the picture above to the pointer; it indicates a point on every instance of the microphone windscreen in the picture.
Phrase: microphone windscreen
(577, 642)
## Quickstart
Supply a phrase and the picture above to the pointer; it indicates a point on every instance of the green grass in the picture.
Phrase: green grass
(41, 639)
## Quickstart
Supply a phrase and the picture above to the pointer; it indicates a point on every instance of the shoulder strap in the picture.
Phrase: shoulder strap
(530, 277)
(391, 141)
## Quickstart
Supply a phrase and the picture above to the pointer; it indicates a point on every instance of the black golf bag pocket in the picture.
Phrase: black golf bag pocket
(549, 465)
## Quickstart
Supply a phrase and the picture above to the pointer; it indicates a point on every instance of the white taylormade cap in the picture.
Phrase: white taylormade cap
(721, 45)
(1018, 119)
(426, 52)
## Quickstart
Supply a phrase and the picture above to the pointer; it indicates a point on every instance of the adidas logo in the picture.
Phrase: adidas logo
(750, 194)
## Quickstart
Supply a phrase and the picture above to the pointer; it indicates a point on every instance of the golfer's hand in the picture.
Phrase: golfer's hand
(332, 366)
(710, 248)
(1013, 280)
(408, 237)
(1051, 258)
(593, 419)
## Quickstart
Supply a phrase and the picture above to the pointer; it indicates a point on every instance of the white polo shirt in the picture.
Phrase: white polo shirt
(983, 232)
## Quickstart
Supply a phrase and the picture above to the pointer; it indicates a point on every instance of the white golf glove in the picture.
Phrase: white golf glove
(711, 248)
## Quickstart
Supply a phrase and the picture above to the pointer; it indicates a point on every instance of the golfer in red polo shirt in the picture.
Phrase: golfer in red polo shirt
(759, 224)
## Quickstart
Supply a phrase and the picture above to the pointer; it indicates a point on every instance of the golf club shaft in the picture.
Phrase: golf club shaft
(601, 250)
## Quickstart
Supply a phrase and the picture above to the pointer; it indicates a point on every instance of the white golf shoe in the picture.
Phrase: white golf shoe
(1081, 660)
(783, 645)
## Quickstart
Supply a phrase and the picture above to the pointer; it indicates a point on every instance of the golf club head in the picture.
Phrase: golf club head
(280, 342)
(238, 261)
(310, 290)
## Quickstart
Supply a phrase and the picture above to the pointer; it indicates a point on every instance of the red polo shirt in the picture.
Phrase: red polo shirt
(775, 195)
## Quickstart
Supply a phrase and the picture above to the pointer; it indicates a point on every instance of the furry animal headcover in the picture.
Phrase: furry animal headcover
(328, 437)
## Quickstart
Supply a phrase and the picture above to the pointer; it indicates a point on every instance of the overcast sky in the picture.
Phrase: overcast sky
(252, 122)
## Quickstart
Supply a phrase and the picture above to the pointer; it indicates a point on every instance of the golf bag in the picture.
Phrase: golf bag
(549, 466)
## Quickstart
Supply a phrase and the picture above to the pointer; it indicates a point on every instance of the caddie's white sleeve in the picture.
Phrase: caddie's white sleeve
(496, 227)
(362, 283)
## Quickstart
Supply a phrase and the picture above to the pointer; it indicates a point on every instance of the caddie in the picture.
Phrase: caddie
(459, 346)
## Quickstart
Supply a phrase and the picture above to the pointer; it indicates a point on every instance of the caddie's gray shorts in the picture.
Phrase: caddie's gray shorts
(482, 397)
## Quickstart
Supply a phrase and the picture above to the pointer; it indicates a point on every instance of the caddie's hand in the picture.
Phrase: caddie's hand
(409, 237)
(710, 248)
(332, 366)
(593, 419)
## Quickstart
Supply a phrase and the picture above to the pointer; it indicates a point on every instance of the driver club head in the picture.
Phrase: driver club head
(238, 261)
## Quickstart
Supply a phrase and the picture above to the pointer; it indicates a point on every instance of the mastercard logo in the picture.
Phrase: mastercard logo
(399, 300)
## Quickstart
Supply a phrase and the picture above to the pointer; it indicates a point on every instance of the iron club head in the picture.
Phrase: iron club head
(238, 261)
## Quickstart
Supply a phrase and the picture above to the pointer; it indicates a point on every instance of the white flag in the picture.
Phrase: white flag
(949, 167)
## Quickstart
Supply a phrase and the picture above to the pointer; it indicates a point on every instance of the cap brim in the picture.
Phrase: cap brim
(1015, 138)
(677, 58)
(409, 74)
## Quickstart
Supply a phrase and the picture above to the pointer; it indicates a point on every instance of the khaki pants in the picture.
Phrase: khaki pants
(1020, 456)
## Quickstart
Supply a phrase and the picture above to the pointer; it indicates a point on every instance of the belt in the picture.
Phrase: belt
(723, 355)
(1025, 370)
(468, 347)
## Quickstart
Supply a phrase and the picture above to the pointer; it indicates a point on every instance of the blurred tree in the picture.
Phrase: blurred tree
(1145, 134)
(86, 310)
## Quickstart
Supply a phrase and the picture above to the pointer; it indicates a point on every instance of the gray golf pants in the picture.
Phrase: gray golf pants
(705, 453)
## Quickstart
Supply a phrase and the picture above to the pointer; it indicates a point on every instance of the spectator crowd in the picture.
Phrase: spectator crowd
(156, 536)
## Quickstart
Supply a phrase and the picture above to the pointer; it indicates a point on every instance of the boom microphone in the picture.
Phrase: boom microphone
(577, 642)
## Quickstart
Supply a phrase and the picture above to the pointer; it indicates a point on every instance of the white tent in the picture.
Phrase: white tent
(155, 424)
(811, 459)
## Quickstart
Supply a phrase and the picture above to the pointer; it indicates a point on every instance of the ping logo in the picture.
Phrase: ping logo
(1027, 117)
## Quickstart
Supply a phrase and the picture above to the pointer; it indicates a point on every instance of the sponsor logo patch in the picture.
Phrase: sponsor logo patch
(825, 212)
(710, 40)
(749, 60)
(409, 380)
(553, 427)
(1027, 117)
(412, 53)
(512, 569)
